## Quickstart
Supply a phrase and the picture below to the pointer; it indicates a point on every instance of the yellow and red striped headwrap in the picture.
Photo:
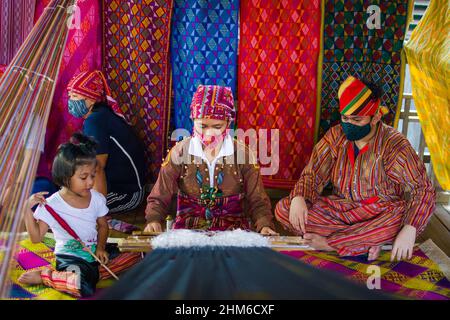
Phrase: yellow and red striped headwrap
(355, 99)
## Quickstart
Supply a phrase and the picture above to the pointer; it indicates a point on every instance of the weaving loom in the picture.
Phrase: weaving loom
(186, 264)
(141, 242)
(419, 278)
(26, 92)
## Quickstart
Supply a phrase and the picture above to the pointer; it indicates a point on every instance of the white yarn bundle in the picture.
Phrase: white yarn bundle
(188, 238)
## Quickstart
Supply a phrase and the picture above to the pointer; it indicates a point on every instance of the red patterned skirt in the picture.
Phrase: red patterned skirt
(227, 214)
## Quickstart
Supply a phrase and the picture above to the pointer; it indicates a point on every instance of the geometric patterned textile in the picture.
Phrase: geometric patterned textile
(16, 22)
(278, 56)
(137, 68)
(204, 45)
(2, 69)
(351, 48)
(82, 53)
(428, 55)
(30, 257)
(418, 278)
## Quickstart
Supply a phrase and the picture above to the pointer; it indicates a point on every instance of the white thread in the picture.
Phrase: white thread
(188, 238)
(36, 73)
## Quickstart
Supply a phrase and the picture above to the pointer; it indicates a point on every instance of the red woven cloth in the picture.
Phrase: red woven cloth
(83, 53)
(278, 56)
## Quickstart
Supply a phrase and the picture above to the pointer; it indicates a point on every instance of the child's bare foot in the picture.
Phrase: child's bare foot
(374, 253)
(317, 242)
(31, 278)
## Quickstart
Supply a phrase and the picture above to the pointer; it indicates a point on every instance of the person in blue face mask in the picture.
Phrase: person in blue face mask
(120, 154)
(371, 166)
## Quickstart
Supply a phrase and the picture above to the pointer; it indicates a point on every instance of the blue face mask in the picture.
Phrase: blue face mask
(78, 108)
(354, 132)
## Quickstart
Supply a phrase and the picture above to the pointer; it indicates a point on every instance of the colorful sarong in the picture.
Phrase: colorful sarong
(136, 65)
(428, 54)
(204, 44)
(82, 53)
(226, 214)
(278, 57)
(350, 48)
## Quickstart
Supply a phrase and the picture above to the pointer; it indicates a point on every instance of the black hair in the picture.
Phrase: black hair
(104, 104)
(376, 89)
(97, 105)
(79, 151)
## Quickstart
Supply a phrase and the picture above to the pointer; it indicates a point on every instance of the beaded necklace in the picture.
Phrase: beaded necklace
(208, 194)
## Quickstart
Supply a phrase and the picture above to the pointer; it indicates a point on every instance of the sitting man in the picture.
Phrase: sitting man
(370, 166)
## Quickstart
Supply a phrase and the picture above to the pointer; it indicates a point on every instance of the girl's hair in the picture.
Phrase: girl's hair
(80, 150)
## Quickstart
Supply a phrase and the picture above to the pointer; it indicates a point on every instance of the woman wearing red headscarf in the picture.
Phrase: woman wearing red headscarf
(216, 188)
(120, 154)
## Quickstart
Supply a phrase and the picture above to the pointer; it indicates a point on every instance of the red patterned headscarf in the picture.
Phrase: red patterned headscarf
(93, 85)
(213, 102)
(356, 99)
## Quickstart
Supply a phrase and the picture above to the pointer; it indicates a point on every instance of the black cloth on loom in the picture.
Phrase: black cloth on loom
(231, 273)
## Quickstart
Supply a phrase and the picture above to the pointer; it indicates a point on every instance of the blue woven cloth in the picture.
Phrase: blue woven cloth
(204, 44)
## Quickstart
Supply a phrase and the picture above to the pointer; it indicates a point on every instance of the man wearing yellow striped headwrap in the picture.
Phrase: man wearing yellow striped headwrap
(371, 166)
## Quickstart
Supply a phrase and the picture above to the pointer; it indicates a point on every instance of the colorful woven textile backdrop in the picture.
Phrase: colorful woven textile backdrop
(278, 56)
(203, 50)
(16, 22)
(82, 53)
(428, 53)
(136, 64)
(348, 51)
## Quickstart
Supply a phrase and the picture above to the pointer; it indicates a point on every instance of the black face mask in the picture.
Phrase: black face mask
(354, 132)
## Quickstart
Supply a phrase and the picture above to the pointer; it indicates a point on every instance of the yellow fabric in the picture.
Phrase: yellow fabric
(428, 55)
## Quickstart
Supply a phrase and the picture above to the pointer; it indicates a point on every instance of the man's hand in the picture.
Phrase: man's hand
(404, 243)
(153, 227)
(298, 214)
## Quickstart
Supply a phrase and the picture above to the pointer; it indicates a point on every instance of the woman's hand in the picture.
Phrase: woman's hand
(102, 255)
(267, 231)
(404, 243)
(37, 198)
(153, 227)
(298, 214)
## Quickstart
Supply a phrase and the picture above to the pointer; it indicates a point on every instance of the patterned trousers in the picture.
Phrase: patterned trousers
(351, 228)
(77, 277)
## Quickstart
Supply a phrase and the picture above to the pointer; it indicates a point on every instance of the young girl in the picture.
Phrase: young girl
(79, 208)
(217, 187)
